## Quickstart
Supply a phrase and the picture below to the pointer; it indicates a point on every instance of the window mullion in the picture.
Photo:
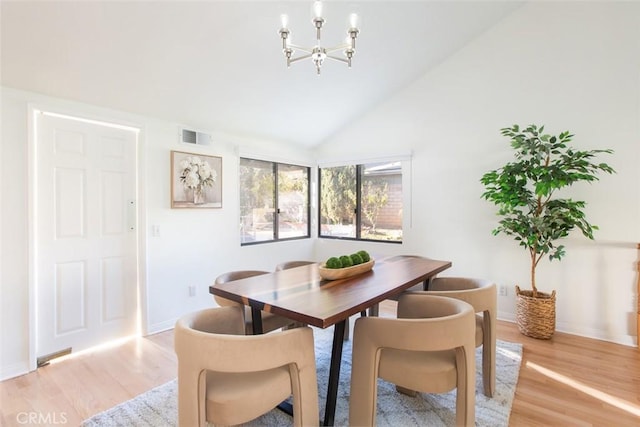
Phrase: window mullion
(319, 201)
(276, 207)
(309, 202)
(358, 201)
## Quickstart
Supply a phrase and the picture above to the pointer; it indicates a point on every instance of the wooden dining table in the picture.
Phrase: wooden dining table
(302, 295)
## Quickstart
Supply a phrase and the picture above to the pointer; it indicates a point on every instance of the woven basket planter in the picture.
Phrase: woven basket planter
(536, 317)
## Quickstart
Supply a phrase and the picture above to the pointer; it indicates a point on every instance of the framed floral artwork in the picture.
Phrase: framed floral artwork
(196, 180)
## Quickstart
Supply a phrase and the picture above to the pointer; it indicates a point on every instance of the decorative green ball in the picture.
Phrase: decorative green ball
(356, 259)
(333, 262)
(365, 256)
(346, 261)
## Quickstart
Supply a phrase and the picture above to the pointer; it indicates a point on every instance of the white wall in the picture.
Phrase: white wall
(572, 66)
(194, 245)
(14, 313)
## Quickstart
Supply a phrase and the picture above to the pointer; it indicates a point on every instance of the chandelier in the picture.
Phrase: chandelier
(318, 53)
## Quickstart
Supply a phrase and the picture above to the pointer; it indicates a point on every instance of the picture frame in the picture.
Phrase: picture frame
(196, 180)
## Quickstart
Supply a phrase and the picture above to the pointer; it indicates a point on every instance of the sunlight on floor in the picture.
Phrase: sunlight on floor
(98, 348)
(607, 398)
(510, 354)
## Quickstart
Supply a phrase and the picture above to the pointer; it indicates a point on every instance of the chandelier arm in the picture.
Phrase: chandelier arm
(300, 58)
(302, 48)
(337, 48)
(336, 58)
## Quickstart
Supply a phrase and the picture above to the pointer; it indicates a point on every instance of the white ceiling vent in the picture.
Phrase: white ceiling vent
(193, 137)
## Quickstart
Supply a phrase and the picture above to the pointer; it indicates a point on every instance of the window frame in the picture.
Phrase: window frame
(360, 165)
(276, 198)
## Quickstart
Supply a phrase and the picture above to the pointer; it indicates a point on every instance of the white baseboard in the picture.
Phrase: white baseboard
(597, 334)
(507, 317)
(162, 326)
(594, 334)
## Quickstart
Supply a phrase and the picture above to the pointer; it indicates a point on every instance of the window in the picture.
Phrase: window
(274, 201)
(362, 202)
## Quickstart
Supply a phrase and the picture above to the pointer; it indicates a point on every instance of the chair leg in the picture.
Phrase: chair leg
(488, 355)
(488, 371)
(466, 386)
(373, 310)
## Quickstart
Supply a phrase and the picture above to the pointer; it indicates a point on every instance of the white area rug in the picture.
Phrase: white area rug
(158, 407)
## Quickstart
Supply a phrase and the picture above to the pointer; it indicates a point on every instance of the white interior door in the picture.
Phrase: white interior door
(86, 256)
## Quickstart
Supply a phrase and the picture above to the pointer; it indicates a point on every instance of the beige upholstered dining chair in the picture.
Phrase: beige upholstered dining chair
(292, 264)
(481, 294)
(227, 378)
(429, 348)
(270, 322)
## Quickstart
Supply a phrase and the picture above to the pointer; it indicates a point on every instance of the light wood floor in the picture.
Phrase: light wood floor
(567, 381)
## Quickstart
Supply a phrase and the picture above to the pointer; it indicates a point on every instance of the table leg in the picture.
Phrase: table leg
(334, 373)
(286, 407)
(256, 320)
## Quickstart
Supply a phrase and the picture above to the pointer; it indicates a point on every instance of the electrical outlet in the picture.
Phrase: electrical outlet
(192, 291)
(503, 291)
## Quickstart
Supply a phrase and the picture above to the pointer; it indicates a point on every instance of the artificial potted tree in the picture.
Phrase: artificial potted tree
(526, 192)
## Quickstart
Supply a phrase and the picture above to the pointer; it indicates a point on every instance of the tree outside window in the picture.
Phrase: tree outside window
(338, 201)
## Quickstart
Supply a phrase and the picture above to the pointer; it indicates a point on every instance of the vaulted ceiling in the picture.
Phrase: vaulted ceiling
(218, 65)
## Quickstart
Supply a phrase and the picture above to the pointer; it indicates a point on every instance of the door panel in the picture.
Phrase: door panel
(70, 291)
(86, 247)
(113, 207)
(69, 204)
(114, 291)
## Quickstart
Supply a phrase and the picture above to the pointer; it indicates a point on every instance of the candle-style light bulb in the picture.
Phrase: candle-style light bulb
(353, 20)
(317, 9)
(284, 19)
